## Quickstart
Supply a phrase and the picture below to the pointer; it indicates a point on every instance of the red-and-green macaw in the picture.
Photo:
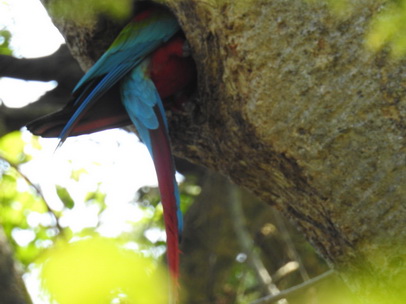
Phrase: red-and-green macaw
(147, 62)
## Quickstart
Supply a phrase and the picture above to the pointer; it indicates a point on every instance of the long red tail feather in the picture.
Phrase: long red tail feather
(165, 169)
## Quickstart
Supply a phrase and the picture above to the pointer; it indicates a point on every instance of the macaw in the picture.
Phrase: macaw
(148, 62)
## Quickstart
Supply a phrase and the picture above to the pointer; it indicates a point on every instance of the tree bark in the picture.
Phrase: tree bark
(12, 288)
(290, 105)
(59, 66)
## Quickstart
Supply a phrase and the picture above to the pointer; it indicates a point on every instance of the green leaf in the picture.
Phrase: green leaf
(26, 255)
(389, 28)
(12, 148)
(76, 174)
(85, 12)
(5, 37)
(65, 197)
(98, 270)
(97, 197)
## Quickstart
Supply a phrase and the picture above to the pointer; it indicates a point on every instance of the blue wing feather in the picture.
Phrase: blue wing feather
(127, 61)
(136, 41)
(139, 96)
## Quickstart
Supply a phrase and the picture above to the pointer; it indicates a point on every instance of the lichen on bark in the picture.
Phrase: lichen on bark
(292, 106)
(308, 119)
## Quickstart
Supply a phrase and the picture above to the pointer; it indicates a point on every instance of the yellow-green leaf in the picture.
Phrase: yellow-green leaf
(12, 148)
(97, 270)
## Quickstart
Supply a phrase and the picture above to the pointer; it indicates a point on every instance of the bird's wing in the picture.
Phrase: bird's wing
(144, 106)
(138, 39)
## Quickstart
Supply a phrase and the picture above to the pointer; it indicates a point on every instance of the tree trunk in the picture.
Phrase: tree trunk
(12, 288)
(291, 106)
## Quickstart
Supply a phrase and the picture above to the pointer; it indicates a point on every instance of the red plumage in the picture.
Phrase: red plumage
(171, 69)
(173, 72)
(165, 171)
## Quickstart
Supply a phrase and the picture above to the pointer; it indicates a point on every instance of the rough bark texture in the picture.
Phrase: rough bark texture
(292, 106)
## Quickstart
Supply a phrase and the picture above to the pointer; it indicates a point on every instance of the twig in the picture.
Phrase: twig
(246, 243)
(37, 190)
(285, 270)
(292, 252)
(295, 289)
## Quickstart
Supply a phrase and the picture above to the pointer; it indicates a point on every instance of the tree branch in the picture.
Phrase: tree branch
(60, 66)
(37, 190)
(246, 242)
(295, 289)
(291, 106)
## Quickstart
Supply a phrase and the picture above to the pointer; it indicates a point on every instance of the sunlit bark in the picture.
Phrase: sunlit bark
(293, 107)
